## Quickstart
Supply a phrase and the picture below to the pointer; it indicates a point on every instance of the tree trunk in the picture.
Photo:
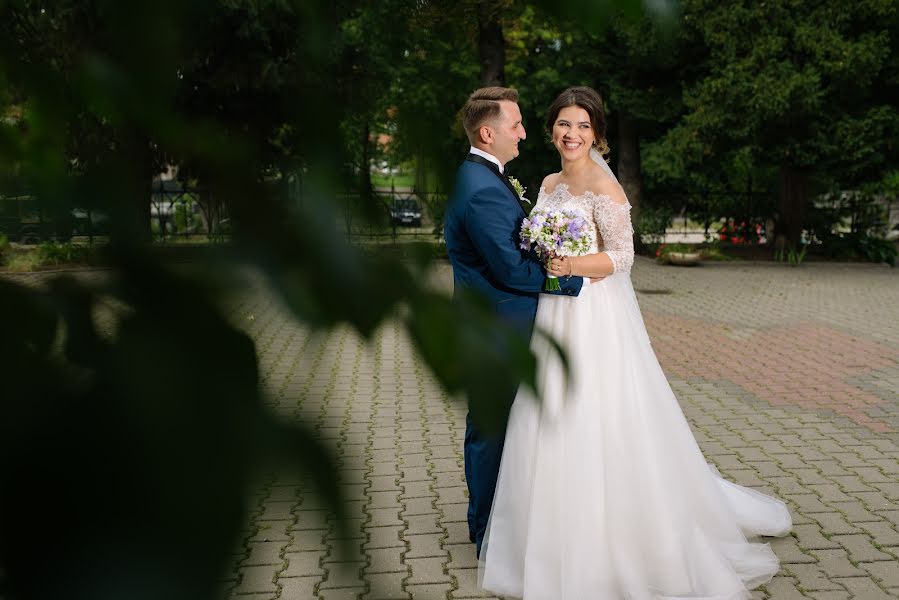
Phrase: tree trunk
(365, 167)
(491, 45)
(422, 168)
(793, 192)
(135, 177)
(204, 199)
(629, 163)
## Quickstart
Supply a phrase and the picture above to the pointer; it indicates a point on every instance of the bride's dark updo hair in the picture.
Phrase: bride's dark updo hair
(588, 99)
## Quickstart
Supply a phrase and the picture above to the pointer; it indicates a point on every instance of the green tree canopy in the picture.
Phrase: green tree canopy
(807, 87)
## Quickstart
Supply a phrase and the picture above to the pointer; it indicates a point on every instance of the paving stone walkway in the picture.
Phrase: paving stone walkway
(789, 378)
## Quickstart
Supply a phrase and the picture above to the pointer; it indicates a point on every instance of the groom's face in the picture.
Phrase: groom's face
(507, 132)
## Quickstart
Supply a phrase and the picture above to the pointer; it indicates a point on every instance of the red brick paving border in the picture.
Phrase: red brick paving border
(766, 362)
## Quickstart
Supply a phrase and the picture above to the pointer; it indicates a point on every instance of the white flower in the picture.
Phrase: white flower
(519, 189)
(550, 233)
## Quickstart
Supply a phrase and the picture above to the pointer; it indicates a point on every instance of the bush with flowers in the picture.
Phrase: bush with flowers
(744, 232)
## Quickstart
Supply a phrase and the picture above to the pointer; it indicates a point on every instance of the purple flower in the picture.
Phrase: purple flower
(562, 232)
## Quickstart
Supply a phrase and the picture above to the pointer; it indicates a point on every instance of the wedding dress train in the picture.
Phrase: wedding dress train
(603, 493)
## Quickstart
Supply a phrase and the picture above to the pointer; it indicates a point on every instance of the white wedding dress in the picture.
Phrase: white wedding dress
(603, 493)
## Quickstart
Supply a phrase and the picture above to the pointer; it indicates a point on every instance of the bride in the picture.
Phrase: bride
(603, 493)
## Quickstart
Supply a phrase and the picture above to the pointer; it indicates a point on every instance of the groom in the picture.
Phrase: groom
(483, 218)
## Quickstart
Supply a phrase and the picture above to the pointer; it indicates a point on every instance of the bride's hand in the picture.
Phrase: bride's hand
(560, 266)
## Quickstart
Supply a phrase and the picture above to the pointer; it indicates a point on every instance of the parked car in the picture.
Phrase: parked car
(405, 212)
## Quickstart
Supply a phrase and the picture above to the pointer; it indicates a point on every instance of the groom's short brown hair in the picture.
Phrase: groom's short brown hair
(483, 106)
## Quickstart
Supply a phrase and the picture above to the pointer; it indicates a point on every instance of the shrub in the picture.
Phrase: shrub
(714, 252)
(22, 262)
(664, 251)
(741, 233)
(652, 223)
(861, 247)
(877, 250)
(53, 253)
(4, 246)
(791, 256)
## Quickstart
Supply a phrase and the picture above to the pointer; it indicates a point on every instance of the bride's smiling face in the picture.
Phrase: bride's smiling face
(573, 134)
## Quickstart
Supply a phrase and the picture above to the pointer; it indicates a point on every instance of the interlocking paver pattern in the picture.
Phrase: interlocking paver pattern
(789, 378)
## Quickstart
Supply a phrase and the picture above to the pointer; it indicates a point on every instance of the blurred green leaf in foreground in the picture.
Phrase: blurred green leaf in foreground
(127, 450)
(118, 482)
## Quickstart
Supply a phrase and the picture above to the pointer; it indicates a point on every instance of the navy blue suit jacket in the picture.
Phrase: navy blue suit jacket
(482, 224)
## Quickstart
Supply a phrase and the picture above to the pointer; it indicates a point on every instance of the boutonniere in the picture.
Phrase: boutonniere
(519, 189)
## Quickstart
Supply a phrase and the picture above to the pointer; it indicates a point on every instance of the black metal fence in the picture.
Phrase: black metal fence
(661, 211)
(25, 219)
(393, 216)
(178, 211)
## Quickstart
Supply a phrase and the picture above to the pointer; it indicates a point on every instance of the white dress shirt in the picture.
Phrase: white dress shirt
(488, 156)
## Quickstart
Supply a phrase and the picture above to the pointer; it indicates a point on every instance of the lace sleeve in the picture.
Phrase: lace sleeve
(541, 196)
(614, 223)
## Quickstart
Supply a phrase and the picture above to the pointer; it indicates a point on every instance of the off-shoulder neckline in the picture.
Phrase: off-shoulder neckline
(587, 194)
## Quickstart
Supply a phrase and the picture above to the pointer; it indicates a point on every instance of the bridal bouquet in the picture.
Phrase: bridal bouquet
(560, 232)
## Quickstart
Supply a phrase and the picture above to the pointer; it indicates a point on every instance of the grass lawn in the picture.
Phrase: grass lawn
(399, 181)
